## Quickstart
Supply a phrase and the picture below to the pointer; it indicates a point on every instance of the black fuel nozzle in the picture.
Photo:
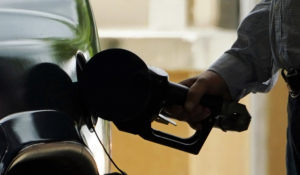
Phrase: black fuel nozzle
(117, 85)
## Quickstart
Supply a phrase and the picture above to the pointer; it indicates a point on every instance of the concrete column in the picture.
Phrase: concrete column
(205, 12)
(259, 134)
(167, 14)
(259, 111)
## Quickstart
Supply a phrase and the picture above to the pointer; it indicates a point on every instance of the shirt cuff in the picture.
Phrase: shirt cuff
(235, 73)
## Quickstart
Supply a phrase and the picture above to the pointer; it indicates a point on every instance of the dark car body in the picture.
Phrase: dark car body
(43, 44)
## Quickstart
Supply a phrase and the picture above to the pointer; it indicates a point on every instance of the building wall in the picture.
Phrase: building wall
(120, 14)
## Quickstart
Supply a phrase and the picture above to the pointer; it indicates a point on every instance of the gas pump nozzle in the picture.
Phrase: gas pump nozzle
(117, 85)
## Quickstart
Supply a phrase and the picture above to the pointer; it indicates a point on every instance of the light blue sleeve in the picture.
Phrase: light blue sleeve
(248, 66)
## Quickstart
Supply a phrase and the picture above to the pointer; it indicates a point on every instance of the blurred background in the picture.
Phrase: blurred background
(184, 37)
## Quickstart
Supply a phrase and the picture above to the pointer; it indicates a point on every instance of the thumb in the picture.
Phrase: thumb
(188, 82)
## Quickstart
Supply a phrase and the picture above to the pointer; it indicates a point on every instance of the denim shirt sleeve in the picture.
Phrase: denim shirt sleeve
(248, 66)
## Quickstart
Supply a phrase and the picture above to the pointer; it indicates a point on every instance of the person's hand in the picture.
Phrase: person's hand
(208, 82)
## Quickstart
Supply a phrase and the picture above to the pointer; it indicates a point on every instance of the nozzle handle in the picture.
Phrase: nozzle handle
(192, 144)
(176, 94)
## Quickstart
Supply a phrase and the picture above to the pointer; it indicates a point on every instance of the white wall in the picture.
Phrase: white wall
(121, 13)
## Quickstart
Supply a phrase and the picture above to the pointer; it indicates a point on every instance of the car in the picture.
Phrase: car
(44, 127)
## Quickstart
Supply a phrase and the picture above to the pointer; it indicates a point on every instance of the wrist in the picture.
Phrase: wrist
(216, 85)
